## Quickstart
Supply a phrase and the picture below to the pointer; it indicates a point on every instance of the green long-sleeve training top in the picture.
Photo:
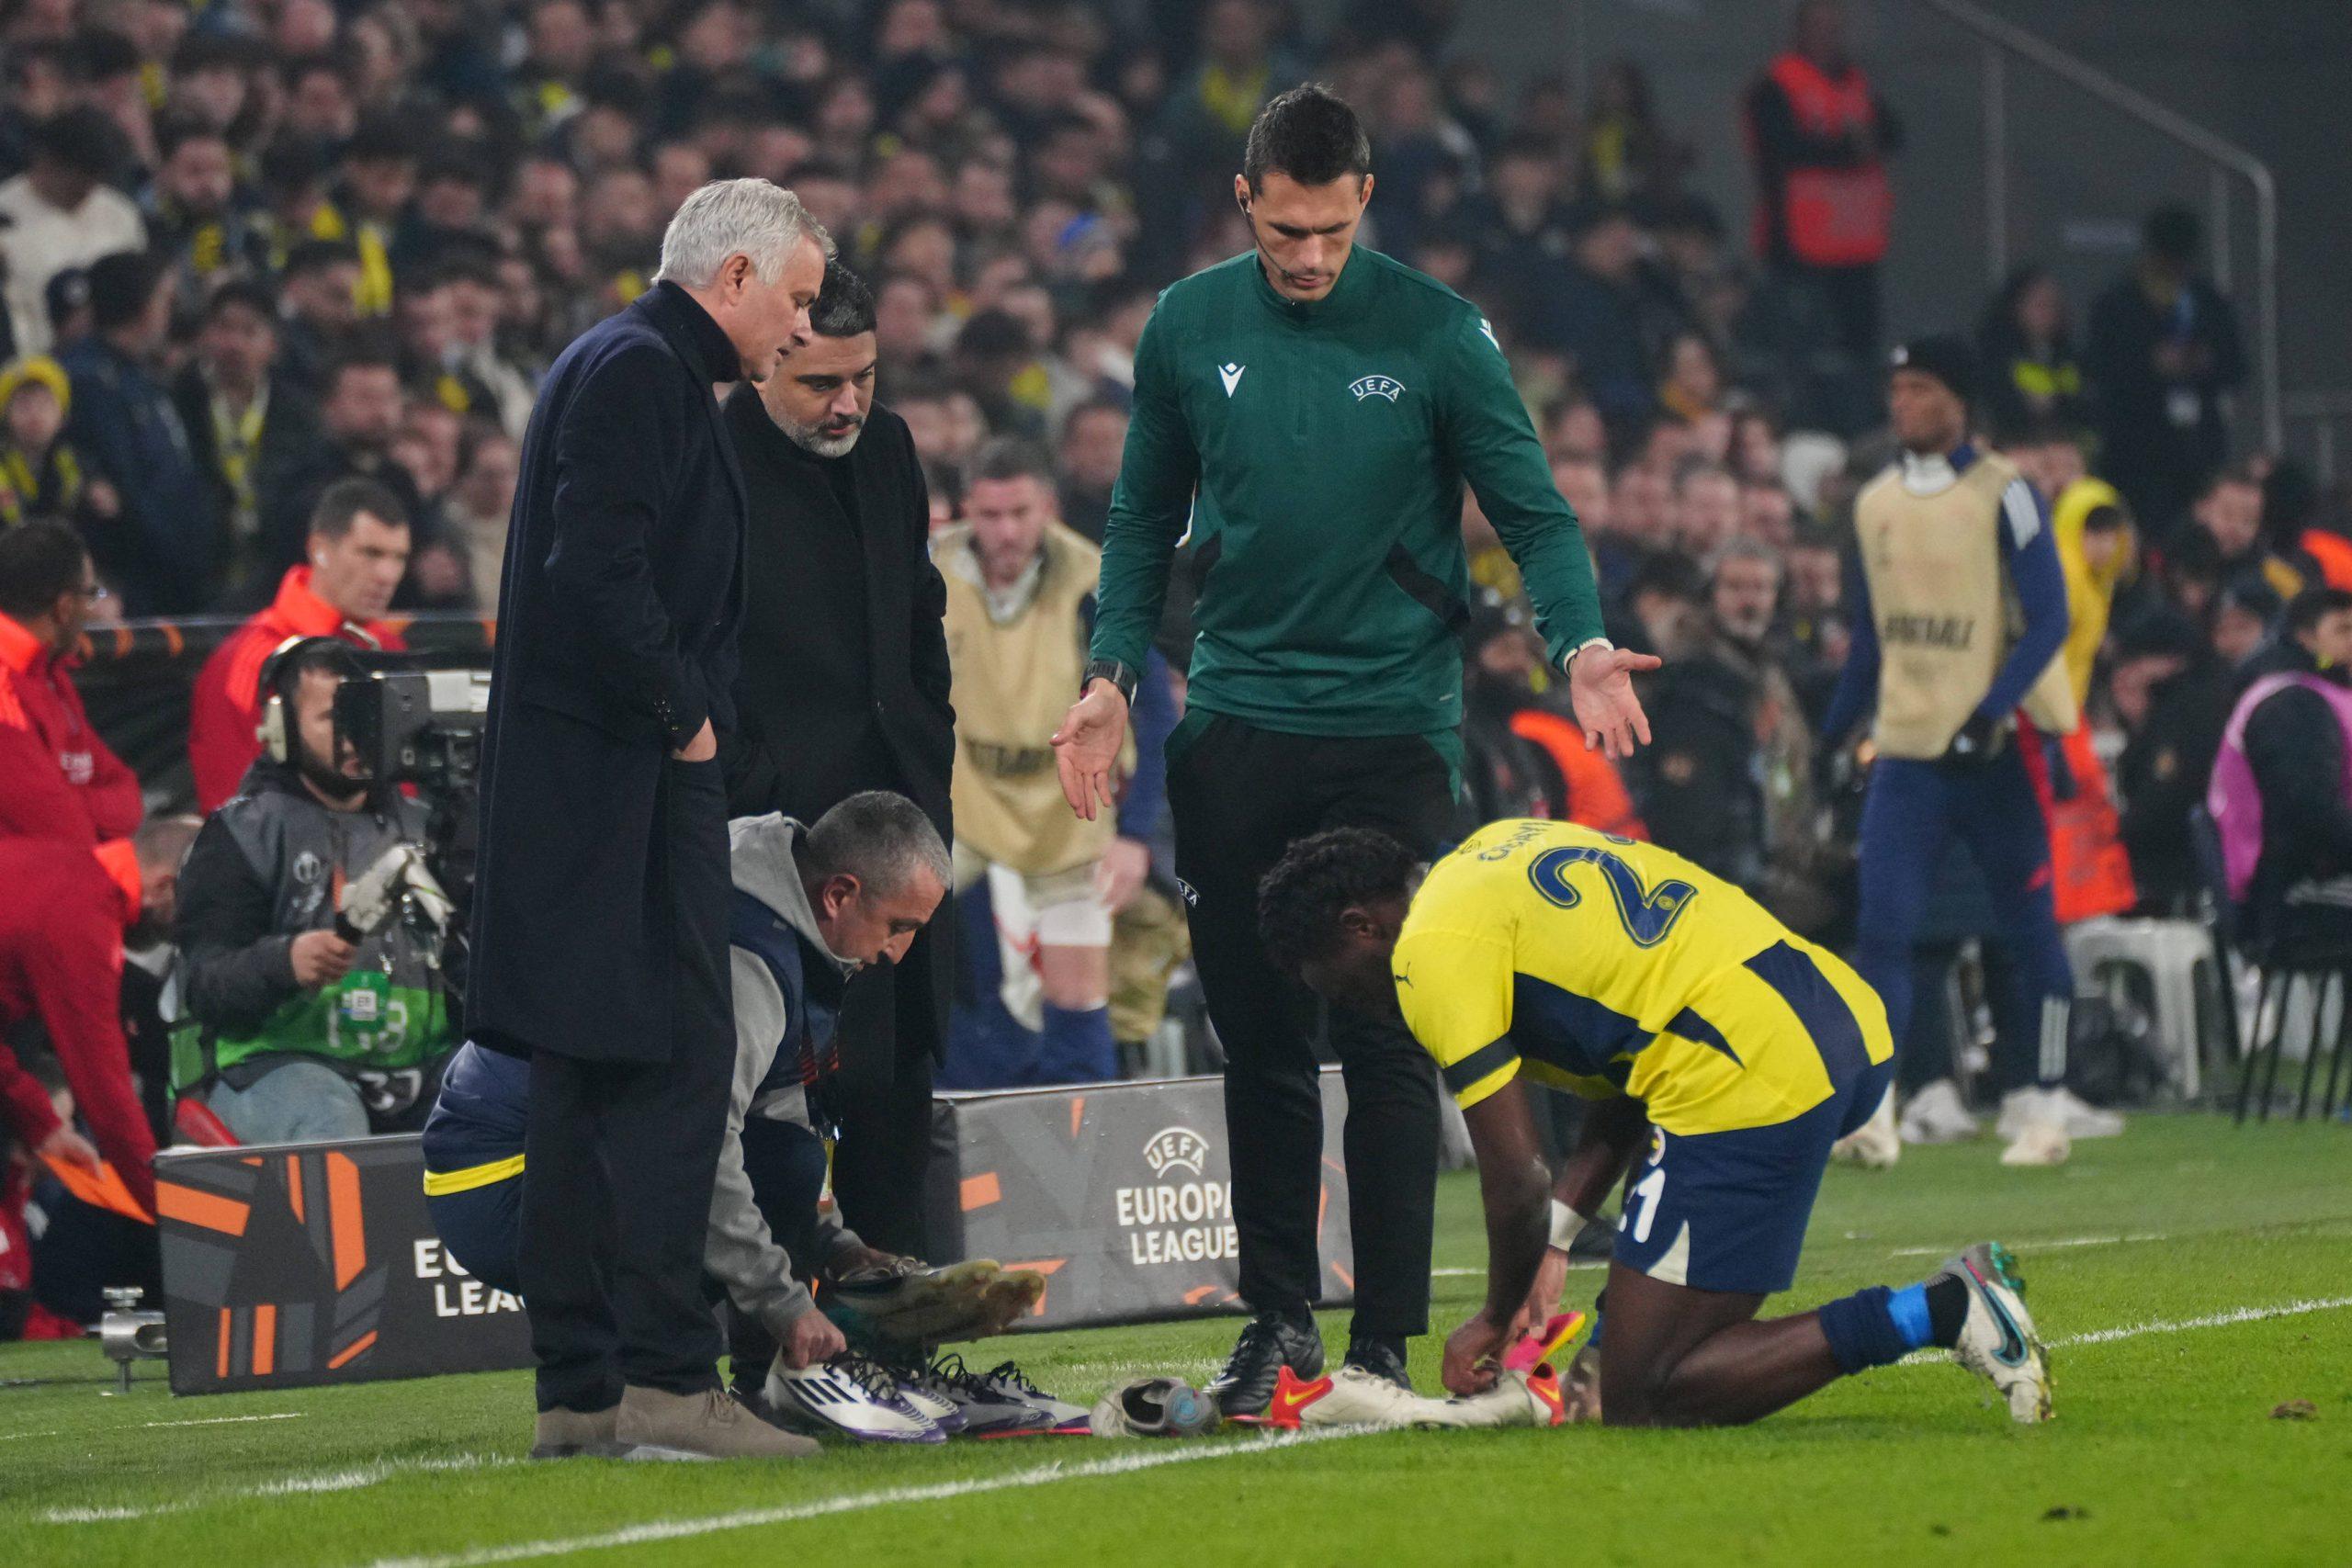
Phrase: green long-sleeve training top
(1319, 451)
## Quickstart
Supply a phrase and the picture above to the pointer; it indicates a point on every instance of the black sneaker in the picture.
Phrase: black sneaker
(1270, 1342)
(1381, 1356)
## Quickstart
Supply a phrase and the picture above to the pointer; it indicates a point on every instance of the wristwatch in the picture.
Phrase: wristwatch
(1588, 642)
(1110, 669)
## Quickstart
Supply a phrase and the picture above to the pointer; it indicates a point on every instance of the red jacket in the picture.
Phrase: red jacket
(58, 780)
(61, 960)
(225, 709)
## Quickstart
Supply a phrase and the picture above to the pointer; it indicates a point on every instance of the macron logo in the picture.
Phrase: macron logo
(1232, 375)
(1378, 386)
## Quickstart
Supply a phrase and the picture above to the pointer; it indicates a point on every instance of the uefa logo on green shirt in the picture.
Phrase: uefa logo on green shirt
(1377, 386)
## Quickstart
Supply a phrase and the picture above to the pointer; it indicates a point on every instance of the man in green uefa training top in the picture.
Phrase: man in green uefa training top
(1315, 409)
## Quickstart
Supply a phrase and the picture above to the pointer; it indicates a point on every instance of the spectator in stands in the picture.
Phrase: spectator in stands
(318, 299)
(358, 543)
(248, 428)
(161, 547)
(1706, 507)
(58, 777)
(361, 410)
(1094, 436)
(1692, 390)
(41, 473)
(2164, 352)
(2033, 375)
(61, 940)
(1518, 227)
(61, 213)
(1592, 313)
(1503, 773)
(2281, 793)
(1819, 135)
(1625, 153)
(2229, 509)
(380, 176)
(303, 1032)
(2172, 696)
(2244, 613)
(198, 219)
(1019, 604)
(1728, 780)
(477, 510)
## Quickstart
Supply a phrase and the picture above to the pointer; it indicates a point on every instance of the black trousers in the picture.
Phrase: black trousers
(1241, 795)
(889, 1035)
(620, 1157)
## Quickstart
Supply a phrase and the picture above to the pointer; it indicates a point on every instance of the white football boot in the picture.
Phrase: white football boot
(848, 1397)
(1996, 1339)
(1936, 1115)
(2078, 1117)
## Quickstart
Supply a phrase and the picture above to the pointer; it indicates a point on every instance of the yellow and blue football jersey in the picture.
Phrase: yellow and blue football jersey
(1606, 966)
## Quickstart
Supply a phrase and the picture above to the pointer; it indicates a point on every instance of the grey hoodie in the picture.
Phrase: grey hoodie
(739, 1249)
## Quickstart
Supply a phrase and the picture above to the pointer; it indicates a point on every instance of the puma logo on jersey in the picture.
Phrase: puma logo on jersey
(1377, 386)
(1232, 375)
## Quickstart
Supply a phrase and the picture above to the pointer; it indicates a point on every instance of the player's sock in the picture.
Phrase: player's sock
(1867, 1329)
(1076, 1047)
(1947, 1296)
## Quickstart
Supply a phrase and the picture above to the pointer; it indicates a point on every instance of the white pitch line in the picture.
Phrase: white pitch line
(1040, 1475)
(2211, 1320)
(349, 1480)
(201, 1421)
(2027, 1249)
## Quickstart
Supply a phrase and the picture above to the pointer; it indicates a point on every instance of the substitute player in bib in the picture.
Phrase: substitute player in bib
(1312, 410)
(1728, 1055)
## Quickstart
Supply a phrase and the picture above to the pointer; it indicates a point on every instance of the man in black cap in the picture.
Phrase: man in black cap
(1949, 538)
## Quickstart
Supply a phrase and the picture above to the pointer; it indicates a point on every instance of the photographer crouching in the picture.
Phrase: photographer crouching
(312, 937)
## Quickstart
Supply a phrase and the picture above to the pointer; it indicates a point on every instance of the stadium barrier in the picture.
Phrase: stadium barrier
(292, 1264)
(1120, 1194)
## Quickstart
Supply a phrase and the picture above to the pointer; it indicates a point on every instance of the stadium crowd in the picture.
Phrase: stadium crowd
(281, 277)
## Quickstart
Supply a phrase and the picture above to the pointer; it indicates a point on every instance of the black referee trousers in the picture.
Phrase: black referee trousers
(1240, 796)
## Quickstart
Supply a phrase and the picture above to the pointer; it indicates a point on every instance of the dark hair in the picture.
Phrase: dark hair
(1317, 880)
(2304, 611)
(181, 130)
(120, 286)
(381, 140)
(994, 335)
(1009, 457)
(879, 838)
(845, 305)
(317, 255)
(254, 297)
(40, 559)
(2226, 475)
(1099, 404)
(2251, 592)
(83, 138)
(360, 356)
(340, 503)
(1309, 134)
(104, 53)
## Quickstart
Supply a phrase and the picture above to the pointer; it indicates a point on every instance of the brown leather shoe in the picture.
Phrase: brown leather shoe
(655, 1424)
(574, 1434)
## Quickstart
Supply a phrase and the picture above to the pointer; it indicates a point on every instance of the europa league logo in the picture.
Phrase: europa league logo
(1171, 1148)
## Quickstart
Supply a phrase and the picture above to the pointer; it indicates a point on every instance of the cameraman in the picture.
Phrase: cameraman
(301, 1033)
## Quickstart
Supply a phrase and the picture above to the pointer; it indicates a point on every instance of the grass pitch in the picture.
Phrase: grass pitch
(2191, 1277)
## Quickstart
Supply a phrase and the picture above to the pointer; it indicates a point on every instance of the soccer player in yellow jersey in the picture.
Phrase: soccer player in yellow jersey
(1727, 1052)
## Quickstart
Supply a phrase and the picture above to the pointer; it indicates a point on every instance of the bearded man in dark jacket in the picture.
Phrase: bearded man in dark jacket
(844, 688)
